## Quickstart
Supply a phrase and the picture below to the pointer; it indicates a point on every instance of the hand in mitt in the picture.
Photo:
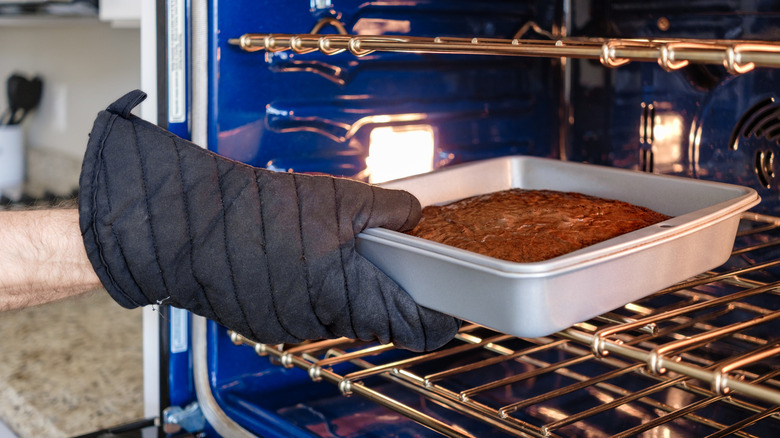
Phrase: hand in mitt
(269, 255)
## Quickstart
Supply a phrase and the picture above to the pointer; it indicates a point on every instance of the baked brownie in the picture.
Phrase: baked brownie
(531, 225)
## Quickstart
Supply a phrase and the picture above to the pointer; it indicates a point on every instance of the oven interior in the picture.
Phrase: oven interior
(700, 358)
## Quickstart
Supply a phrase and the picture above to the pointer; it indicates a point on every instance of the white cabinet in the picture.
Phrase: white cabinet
(121, 13)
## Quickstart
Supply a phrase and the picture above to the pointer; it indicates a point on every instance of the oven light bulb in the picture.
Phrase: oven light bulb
(399, 151)
(668, 142)
(668, 127)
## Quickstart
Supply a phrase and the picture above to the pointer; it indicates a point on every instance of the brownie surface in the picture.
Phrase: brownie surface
(524, 226)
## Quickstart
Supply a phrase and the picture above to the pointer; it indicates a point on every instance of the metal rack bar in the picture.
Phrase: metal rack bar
(744, 423)
(634, 431)
(487, 362)
(466, 394)
(422, 358)
(359, 389)
(760, 392)
(613, 404)
(601, 336)
(687, 385)
(608, 388)
(736, 56)
(508, 409)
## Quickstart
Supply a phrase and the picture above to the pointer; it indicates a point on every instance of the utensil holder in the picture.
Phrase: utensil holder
(11, 160)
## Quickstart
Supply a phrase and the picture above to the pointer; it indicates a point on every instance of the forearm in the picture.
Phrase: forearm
(42, 258)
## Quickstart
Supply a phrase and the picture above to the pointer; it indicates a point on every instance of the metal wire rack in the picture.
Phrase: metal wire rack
(736, 56)
(702, 355)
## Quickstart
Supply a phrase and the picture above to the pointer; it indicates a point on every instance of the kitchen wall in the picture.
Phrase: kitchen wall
(85, 64)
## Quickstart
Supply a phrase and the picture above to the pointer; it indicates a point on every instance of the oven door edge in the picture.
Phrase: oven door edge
(214, 414)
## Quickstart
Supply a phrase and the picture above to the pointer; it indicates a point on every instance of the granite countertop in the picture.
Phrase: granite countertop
(70, 367)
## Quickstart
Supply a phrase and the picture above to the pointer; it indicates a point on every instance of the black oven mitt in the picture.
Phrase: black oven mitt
(270, 255)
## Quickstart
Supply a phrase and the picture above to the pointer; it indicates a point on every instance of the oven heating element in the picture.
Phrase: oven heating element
(669, 361)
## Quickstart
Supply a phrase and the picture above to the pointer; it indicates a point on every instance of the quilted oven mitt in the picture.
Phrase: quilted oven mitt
(270, 255)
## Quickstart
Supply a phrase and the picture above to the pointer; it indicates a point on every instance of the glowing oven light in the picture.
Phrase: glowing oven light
(668, 141)
(665, 139)
(668, 127)
(399, 151)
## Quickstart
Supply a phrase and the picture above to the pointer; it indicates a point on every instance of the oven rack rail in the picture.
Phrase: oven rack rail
(653, 343)
(737, 56)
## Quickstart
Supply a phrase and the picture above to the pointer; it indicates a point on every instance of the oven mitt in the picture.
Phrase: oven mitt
(270, 255)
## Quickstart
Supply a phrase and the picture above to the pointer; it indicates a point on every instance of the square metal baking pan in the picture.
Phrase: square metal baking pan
(536, 299)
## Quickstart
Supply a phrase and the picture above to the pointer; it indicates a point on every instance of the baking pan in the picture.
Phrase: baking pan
(539, 298)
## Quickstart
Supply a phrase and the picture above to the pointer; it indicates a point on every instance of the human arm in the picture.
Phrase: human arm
(42, 258)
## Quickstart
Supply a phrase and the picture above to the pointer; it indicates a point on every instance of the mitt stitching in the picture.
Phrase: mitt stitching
(101, 251)
(306, 274)
(271, 288)
(245, 320)
(337, 208)
(189, 229)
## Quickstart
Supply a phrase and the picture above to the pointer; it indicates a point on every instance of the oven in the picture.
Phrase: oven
(377, 90)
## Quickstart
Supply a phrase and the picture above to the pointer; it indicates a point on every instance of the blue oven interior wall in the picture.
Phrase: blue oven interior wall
(312, 113)
(709, 124)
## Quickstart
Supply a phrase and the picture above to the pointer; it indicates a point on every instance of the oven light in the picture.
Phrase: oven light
(668, 127)
(667, 142)
(399, 151)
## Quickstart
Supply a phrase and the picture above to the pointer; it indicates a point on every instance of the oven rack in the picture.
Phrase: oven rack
(737, 56)
(666, 340)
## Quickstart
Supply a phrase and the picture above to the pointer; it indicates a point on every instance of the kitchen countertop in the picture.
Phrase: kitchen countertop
(70, 367)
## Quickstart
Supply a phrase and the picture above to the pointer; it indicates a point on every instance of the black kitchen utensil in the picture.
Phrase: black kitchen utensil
(23, 96)
(12, 89)
(29, 97)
